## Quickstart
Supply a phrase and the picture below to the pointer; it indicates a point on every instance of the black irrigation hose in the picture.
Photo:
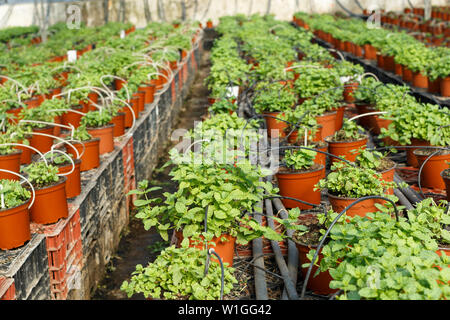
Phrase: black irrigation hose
(410, 193)
(258, 264)
(403, 199)
(292, 248)
(288, 282)
(295, 199)
(305, 283)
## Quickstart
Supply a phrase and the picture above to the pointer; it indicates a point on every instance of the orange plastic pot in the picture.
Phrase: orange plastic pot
(119, 124)
(300, 185)
(363, 108)
(398, 69)
(340, 117)
(388, 176)
(25, 157)
(32, 103)
(10, 162)
(431, 171)
(319, 284)
(370, 52)
(140, 95)
(119, 83)
(358, 51)
(73, 183)
(328, 123)
(42, 143)
(50, 203)
(410, 156)
(57, 129)
(209, 24)
(348, 91)
(90, 159)
(434, 86)
(321, 158)
(93, 96)
(407, 74)
(446, 177)
(148, 92)
(360, 209)
(419, 80)
(294, 135)
(389, 63)
(344, 149)
(14, 226)
(72, 118)
(275, 124)
(379, 123)
(128, 115)
(15, 112)
(445, 87)
(224, 249)
(106, 137)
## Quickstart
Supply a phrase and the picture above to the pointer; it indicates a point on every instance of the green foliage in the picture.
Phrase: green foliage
(81, 134)
(273, 97)
(299, 159)
(13, 193)
(350, 131)
(41, 175)
(178, 273)
(96, 119)
(222, 106)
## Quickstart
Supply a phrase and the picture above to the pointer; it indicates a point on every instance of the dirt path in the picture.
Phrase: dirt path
(137, 245)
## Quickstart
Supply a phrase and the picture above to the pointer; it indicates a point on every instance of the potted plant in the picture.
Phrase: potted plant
(98, 124)
(9, 156)
(14, 215)
(179, 274)
(446, 177)
(298, 176)
(347, 142)
(271, 100)
(371, 258)
(375, 160)
(50, 202)
(350, 75)
(64, 165)
(347, 183)
(88, 147)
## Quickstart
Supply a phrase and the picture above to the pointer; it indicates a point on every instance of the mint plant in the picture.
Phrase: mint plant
(41, 175)
(13, 194)
(96, 119)
(299, 159)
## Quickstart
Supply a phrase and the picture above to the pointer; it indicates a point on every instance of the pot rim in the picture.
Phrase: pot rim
(327, 139)
(87, 141)
(387, 170)
(14, 153)
(423, 155)
(4, 211)
(321, 167)
(343, 198)
(107, 126)
(62, 180)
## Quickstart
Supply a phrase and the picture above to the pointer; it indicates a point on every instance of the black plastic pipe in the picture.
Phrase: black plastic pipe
(288, 282)
(411, 194)
(403, 199)
(258, 262)
(292, 248)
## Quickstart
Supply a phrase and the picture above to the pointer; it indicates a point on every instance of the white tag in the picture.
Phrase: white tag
(122, 34)
(72, 55)
(232, 92)
(345, 79)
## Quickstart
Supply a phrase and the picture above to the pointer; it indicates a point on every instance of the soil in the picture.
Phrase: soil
(314, 167)
(138, 246)
(340, 137)
(385, 164)
(446, 173)
(313, 235)
(428, 152)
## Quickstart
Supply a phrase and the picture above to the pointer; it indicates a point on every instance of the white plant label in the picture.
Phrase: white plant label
(122, 34)
(232, 92)
(72, 55)
(345, 79)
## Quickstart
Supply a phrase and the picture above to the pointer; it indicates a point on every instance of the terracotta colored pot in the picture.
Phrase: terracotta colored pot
(224, 249)
(445, 87)
(25, 158)
(340, 117)
(73, 183)
(328, 123)
(380, 61)
(343, 149)
(148, 92)
(388, 176)
(129, 115)
(361, 209)
(10, 162)
(370, 52)
(50, 204)
(431, 171)
(419, 80)
(90, 159)
(32, 103)
(14, 226)
(118, 83)
(363, 108)
(15, 112)
(434, 86)
(135, 104)
(300, 185)
(294, 135)
(275, 124)
(389, 63)
(321, 158)
(410, 157)
(378, 123)
(319, 284)
(42, 143)
(56, 129)
(119, 124)
(106, 137)
(209, 24)
(407, 74)
(348, 91)
(446, 177)
(358, 51)
(398, 69)
(72, 117)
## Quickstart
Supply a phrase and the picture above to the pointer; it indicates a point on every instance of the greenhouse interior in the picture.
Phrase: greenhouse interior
(224, 151)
